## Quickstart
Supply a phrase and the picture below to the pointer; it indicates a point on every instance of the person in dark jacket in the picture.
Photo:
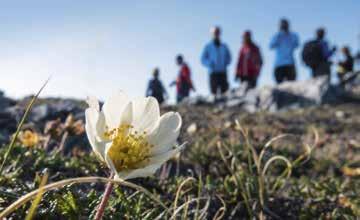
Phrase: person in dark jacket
(155, 87)
(249, 62)
(183, 81)
(323, 68)
(345, 66)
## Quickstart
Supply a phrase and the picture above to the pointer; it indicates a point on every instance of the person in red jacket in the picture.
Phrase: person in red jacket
(249, 62)
(183, 81)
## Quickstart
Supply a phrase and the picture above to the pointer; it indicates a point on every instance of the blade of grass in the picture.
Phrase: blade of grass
(269, 143)
(184, 205)
(38, 197)
(27, 111)
(200, 185)
(179, 190)
(186, 210)
(238, 180)
(92, 179)
(221, 211)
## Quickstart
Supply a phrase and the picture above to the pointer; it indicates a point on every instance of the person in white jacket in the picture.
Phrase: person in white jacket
(216, 57)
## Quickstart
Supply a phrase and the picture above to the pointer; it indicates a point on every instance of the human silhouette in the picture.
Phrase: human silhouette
(284, 43)
(183, 81)
(345, 66)
(324, 66)
(216, 57)
(249, 62)
(155, 87)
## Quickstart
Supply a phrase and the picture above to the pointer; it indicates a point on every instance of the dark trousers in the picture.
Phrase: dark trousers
(251, 81)
(323, 69)
(159, 98)
(218, 81)
(285, 73)
(180, 97)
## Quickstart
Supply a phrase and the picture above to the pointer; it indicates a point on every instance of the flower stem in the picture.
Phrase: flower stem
(101, 208)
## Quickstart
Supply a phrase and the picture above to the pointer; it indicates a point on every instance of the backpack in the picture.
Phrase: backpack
(312, 54)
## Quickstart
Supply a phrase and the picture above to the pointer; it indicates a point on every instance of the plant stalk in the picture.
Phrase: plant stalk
(106, 196)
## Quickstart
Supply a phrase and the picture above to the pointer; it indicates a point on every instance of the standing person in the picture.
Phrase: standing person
(284, 43)
(323, 68)
(216, 57)
(345, 66)
(155, 87)
(249, 62)
(183, 81)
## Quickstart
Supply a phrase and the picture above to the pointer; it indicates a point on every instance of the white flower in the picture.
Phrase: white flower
(130, 136)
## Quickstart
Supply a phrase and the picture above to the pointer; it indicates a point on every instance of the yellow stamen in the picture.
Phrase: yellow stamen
(129, 149)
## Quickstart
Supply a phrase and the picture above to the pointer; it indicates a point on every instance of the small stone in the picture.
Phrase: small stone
(227, 124)
(192, 128)
(339, 114)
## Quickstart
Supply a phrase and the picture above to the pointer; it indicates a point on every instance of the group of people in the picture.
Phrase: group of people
(216, 57)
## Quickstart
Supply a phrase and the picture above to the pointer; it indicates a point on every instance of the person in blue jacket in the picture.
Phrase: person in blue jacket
(284, 43)
(216, 57)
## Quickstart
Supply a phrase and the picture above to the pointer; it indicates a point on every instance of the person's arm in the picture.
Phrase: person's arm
(173, 83)
(296, 41)
(239, 64)
(259, 58)
(227, 56)
(274, 43)
(148, 89)
(164, 91)
(327, 53)
(205, 57)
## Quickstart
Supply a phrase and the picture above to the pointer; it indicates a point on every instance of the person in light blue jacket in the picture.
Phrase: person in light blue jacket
(216, 57)
(284, 43)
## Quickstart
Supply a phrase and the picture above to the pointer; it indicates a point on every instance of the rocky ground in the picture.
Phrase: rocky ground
(215, 177)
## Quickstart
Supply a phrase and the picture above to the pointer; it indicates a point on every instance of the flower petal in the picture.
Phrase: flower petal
(108, 160)
(114, 107)
(91, 117)
(127, 115)
(163, 157)
(166, 133)
(146, 113)
(143, 172)
(100, 127)
(93, 102)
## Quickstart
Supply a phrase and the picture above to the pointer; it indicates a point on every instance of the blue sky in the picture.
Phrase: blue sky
(96, 47)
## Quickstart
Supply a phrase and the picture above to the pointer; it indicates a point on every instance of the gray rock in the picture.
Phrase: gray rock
(288, 95)
(39, 112)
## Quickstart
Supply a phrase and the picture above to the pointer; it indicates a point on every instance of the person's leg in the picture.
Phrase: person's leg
(160, 99)
(313, 72)
(242, 79)
(279, 76)
(292, 73)
(224, 84)
(252, 82)
(213, 83)
(327, 69)
(178, 98)
(323, 69)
